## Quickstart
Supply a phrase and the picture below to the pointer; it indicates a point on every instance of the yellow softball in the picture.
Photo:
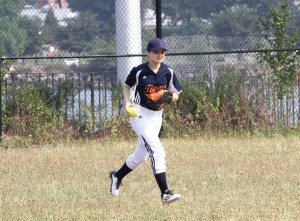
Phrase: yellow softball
(132, 111)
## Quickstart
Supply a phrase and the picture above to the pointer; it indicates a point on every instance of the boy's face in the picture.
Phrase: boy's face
(156, 56)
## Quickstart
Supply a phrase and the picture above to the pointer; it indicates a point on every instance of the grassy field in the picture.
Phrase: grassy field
(219, 179)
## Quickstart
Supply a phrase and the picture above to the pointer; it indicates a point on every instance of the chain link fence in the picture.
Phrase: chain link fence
(82, 52)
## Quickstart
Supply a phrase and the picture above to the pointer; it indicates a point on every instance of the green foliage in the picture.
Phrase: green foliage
(203, 9)
(227, 18)
(5, 66)
(234, 108)
(103, 9)
(10, 8)
(33, 40)
(105, 65)
(238, 20)
(104, 46)
(283, 64)
(77, 36)
(116, 96)
(11, 35)
(50, 29)
(86, 125)
(201, 109)
(31, 113)
(28, 111)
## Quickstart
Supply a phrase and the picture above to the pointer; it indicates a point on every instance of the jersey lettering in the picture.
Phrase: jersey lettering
(150, 88)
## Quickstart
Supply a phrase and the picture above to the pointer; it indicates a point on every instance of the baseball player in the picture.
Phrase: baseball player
(149, 87)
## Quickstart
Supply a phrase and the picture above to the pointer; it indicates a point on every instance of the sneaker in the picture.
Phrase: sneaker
(169, 196)
(115, 183)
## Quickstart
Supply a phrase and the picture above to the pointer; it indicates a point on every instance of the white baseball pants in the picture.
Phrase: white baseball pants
(147, 127)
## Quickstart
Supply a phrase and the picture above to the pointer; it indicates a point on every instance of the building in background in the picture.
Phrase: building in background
(61, 10)
(52, 3)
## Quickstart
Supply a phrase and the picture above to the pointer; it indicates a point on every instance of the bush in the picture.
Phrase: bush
(225, 108)
(31, 113)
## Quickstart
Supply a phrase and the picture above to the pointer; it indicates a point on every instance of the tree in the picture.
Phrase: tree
(275, 35)
(11, 8)
(238, 20)
(50, 28)
(11, 35)
(295, 23)
(103, 10)
(33, 33)
(191, 9)
(30, 2)
(79, 33)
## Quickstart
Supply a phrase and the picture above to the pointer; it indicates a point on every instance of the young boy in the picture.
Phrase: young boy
(148, 81)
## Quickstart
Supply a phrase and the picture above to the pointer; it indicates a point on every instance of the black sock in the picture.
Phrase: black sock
(161, 179)
(123, 171)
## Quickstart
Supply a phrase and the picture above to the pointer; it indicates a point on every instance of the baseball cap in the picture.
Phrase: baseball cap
(156, 44)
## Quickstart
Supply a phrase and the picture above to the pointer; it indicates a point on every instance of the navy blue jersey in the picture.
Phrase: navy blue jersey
(146, 84)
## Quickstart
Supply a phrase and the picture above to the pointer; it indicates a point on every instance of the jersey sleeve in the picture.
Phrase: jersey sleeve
(174, 85)
(131, 78)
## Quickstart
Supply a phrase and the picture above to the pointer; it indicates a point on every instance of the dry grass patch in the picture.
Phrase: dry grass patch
(219, 179)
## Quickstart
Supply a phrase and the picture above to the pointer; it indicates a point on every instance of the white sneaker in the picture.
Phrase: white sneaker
(115, 183)
(169, 196)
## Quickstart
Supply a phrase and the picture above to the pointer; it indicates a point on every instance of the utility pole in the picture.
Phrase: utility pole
(158, 19)
(128, 35)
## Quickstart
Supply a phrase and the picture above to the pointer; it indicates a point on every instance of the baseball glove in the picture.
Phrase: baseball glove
(162, 101)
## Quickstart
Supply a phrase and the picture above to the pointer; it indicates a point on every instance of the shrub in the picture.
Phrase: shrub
(30, 112)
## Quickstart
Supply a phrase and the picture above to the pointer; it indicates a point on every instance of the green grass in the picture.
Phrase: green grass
(219, 179)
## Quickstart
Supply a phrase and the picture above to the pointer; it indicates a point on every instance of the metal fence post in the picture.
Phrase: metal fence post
(158, 19)
(298, 83)
(79, 97)
(93, 100)
(1, 64)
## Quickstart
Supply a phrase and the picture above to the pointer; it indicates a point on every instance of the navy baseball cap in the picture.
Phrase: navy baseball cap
(156, 44)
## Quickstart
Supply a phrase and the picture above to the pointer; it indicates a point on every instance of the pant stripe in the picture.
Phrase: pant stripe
(150, 151)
